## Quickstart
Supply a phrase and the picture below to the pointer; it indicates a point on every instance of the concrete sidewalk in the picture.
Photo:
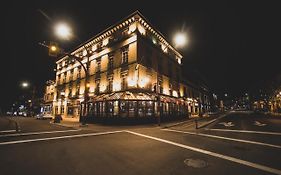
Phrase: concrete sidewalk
(201, 122)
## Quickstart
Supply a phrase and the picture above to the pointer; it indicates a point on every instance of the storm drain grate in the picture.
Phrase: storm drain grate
(195, 163)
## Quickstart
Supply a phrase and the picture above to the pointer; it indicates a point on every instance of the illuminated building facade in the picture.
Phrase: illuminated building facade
(134, 73)
(47, 105)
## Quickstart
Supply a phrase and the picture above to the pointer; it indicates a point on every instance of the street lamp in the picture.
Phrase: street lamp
(24, 84)
(30, 90)
(63, 31)
(180, 39)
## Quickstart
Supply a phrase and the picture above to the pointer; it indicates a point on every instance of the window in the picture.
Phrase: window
(64, 77)
(110, 84)
(79, 72)
(62, 109)
(59, 66)
(56, 110)
(110, 62)
(58, 78)
(70, 91)
(124, 55)
(77, 88)
(170, 88)
(71, 75)
(124, 81)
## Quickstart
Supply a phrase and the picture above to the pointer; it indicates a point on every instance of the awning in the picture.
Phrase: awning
(123, 96)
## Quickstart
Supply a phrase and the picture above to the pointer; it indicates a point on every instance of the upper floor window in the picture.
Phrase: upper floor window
(110, 62)
(124, 80)
(64, 77)
(71, 75)
(110, 84)
(79, 72)
(124, 55)
(77, 88)
(97, 89)
(58, 78)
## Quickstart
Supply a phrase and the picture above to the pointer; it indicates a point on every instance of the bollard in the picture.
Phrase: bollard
(196, 124)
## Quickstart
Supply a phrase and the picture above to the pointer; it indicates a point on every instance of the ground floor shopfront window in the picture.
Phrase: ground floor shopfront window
(135, 108)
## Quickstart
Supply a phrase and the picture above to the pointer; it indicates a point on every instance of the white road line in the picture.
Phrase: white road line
(7, 131)
(37, 133)
(60, 137)
(232, 159)
(225, 138)
(246, 131)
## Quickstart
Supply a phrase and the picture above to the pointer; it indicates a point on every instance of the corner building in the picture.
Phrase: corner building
(133, 73)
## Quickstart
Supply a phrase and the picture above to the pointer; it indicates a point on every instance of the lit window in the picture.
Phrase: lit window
(124, 81)
(79, 72)
(71, 75)
(124, 55)
(110, 84)
(110, 62)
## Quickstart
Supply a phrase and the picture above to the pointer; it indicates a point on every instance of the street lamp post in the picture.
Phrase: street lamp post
(64, 31)
(158, 100)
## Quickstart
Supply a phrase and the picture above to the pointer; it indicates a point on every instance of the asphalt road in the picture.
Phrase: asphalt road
(238, 143)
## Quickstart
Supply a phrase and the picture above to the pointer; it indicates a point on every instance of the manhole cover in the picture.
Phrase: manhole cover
(195, 163)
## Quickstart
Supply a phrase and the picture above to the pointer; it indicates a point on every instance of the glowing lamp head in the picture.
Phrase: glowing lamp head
(63, 31)
(24, 84)
(180, 40)
(53, 48)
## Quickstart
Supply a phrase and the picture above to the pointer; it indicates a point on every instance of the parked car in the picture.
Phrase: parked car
(43, 116)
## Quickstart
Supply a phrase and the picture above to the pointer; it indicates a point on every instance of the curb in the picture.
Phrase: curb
(179, 123)
(69, 125)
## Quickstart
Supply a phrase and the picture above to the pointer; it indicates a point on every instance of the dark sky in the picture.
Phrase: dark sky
(233, 45)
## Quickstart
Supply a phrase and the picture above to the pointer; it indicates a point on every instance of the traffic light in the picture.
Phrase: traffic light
(54, 49)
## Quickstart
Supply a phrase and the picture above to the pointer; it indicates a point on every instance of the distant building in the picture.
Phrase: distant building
(134, 73)
(47, 105)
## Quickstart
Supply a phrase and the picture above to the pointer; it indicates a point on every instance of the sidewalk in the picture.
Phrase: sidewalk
(275, 114)
(201, 122)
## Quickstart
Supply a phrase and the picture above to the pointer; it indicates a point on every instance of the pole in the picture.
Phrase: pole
(86, 97)
(158, 100)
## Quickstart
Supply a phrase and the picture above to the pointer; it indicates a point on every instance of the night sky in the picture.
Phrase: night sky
(233, 46)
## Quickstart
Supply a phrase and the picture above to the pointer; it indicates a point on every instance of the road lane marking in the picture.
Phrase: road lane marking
(7, 131)
(246, 131)
(257, 123)
(225, 138)
(227, 124)
(60, 137)
(38, 133)
(232, 159)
